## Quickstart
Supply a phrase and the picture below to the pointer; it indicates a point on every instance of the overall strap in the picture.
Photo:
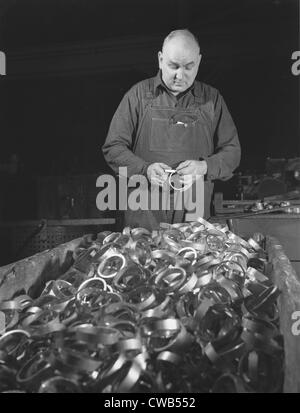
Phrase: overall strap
(147, 99)
(202, 102)
(149, 92)
(199, 94)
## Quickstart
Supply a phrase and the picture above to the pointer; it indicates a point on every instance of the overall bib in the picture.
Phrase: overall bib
(171, 135)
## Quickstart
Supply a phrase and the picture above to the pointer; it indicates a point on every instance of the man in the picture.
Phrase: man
(172, 122)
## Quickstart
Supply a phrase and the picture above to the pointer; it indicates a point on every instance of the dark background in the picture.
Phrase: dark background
(69, 62)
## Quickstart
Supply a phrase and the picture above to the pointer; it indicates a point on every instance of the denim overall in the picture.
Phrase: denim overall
(171, 135)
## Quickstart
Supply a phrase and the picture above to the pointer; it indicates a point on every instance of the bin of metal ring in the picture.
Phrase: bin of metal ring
(121, 312)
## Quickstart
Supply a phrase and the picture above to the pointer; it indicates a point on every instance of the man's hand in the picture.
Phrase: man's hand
(156, 173)
(192, 168)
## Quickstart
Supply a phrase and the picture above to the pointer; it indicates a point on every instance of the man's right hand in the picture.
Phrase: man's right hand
(156, 173)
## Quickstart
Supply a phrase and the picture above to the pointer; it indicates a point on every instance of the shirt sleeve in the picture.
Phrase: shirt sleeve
(117, 149)
(227, 153)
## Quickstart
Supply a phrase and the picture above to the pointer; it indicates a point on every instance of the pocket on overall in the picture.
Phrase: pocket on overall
(169, 135)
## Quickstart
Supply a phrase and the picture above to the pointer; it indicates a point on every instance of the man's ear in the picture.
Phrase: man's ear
(200, 57)
(160, 58)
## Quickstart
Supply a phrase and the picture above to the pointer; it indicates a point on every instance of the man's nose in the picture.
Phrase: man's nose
(179, 74)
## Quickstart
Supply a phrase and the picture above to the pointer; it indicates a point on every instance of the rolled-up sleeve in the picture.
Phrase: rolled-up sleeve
(117, 149)
(227, 153)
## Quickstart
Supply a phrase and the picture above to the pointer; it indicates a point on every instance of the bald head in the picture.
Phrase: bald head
(184, 36)
(179, 60)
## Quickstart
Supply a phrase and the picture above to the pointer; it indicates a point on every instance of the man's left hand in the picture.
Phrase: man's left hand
(192, 168)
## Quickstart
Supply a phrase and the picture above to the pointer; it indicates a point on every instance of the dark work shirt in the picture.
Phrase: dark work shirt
(117, 149)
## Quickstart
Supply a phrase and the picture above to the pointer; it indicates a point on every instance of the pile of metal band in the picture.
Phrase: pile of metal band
(188, 308)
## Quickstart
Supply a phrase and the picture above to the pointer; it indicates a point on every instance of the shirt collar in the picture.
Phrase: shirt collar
(158, 83)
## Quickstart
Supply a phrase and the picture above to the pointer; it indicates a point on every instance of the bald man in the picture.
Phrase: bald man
(173, 124)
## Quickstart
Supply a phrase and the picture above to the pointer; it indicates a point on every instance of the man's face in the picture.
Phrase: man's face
(179, 62)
